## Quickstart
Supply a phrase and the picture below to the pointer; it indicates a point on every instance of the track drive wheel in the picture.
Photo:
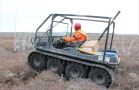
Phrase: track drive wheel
(36, 62)
(55, 65)
(100, 77)
(76, 71)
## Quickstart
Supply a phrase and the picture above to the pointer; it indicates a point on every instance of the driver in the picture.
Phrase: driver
(78, 36)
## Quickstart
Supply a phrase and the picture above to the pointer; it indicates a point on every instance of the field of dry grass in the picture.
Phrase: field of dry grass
(16, 75)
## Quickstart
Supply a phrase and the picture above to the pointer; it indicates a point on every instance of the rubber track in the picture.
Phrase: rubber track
(109, 70)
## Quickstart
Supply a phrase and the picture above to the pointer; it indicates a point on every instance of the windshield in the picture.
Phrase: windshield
(59, 29)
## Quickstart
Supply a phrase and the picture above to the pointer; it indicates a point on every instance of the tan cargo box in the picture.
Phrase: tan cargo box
(90, 47)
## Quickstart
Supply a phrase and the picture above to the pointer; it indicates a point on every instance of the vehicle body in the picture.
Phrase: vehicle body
(63, 57)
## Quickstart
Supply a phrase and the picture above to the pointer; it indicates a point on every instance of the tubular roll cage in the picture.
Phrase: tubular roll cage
(108, 20)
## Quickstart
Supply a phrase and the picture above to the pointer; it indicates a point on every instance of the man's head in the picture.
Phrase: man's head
(77, 26)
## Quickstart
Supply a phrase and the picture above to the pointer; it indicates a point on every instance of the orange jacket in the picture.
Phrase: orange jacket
(79, 35)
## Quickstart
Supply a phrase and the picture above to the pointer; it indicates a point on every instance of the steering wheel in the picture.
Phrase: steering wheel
(59, 42)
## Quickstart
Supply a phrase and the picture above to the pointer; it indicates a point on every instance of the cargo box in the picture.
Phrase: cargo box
(90, 47)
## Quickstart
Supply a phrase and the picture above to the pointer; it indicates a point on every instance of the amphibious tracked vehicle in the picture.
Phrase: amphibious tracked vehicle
(69, 58)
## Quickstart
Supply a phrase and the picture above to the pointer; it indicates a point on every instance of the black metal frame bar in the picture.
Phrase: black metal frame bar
(106, 41)
(107, 26)
(112, 35)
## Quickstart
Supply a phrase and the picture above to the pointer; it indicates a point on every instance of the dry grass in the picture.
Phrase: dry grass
(16, 75)
(50, 81)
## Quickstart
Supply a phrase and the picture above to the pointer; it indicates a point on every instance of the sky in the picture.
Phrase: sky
(27, 15)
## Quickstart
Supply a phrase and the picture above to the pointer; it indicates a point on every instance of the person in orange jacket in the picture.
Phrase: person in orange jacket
(79, 34)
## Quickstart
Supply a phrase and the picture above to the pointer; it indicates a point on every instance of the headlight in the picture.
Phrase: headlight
(107, 59)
